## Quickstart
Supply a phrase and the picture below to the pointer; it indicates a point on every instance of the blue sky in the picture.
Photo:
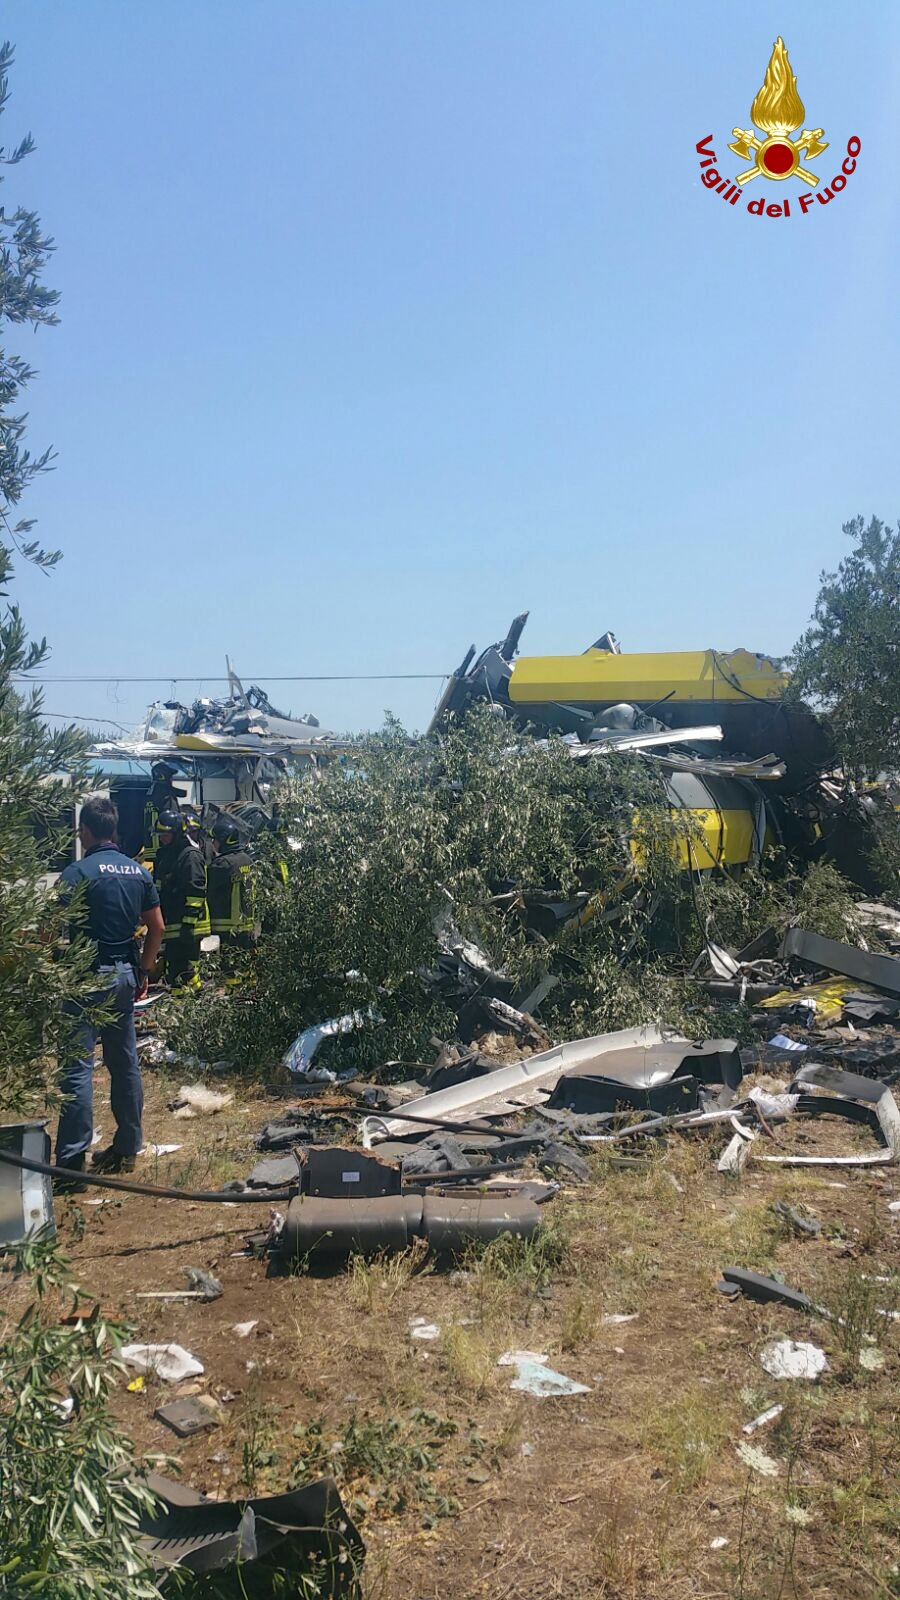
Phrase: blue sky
(384, 320)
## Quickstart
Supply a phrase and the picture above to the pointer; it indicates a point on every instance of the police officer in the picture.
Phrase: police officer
(230, 895)
(111, 897)
(180, 876)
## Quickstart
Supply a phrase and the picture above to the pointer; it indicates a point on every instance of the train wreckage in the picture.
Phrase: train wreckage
(749, 762)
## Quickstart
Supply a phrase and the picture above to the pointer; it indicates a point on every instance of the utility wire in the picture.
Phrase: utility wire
(72, 716)
(259, 677)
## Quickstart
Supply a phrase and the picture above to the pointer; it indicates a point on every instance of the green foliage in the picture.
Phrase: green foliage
(386, 1463)
(446, 831)
(849, 657)
(35, 803)
(738, 909)
(70, 1496)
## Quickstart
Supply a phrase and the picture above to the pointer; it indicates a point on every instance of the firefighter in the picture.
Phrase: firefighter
(230, 894)
(161, 796)
(180, 876)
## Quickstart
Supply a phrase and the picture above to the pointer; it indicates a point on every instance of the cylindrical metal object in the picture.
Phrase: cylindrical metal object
(320, 1227)
(450, 1222)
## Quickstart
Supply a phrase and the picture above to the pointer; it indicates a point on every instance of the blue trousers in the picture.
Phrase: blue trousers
(76, 1123)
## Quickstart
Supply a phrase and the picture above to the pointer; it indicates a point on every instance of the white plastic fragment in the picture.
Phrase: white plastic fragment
(718, 1544)
(243, 1329)
(757, 1460)
(894, 1205)
(171, 1362)
(762, 1419)
(774, 1105)
(786, 1358)
(782, 1042)
(533, 1376)
(420, 1328)
(611, 1318)
(734, 1157)
(160, 1149)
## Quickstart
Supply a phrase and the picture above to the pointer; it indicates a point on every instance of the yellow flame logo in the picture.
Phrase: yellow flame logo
(777, 109)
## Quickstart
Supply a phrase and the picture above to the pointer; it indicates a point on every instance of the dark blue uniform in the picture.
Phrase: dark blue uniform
(117, 892)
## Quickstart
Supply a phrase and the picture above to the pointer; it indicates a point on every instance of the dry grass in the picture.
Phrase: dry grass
(617, 1494)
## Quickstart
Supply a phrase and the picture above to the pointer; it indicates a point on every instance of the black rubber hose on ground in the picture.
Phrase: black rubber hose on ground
(129, 1186)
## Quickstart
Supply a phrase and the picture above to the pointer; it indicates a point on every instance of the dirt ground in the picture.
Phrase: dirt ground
(464, 1487)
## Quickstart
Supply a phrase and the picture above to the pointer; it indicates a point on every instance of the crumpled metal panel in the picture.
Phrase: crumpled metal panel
(307, 1530)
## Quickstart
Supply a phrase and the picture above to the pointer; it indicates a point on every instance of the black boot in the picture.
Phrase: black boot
(109, 1160)
(71, 1185)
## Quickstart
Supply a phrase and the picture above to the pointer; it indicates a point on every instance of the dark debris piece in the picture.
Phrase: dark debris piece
(440, 1152)
(756, 1286)
(809, 1227)
(187, 1417)
(204, 1283)
(274, 1174)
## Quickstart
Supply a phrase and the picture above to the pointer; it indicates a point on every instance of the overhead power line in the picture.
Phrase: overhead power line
(257, 677)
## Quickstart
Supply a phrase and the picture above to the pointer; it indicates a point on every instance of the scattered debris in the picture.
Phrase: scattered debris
(307, 1528)
(763, 1419)
(195, 1100)
(758, 1287)
(882, 972)
(202, 1287)
(189, 1416)
(244, 1329)
(298, 1058)
(533, 1376)
(171, 1362)
(736, 1154)
(202, 1282)
(808, 1226)
(159, 1149)
(421, 1328)
(787, 1359)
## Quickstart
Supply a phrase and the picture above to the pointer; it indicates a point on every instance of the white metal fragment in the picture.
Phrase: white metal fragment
(786, 1358)
(526, 1082)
